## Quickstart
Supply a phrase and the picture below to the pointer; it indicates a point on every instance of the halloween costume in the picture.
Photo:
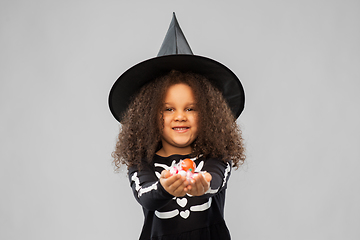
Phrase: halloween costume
(189, 217)
(168, 217)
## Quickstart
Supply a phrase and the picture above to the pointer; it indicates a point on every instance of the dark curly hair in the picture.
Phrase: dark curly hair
(218, 133)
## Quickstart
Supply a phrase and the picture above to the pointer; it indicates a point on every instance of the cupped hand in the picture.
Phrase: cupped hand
(176, 185)
(200, 184)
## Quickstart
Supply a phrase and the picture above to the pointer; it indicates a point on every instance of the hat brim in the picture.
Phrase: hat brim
(130, 82)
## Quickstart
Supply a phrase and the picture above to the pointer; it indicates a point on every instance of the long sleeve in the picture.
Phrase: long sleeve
(220, 172)
(147, 188)
(198, 216)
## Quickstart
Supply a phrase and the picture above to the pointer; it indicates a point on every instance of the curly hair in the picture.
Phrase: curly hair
(140, 136)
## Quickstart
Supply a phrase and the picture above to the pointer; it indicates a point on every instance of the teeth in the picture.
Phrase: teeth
(180, 128)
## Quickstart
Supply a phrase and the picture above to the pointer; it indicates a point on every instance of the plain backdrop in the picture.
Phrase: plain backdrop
(299, 62)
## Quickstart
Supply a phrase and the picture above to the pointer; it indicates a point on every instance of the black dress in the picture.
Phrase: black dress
(189, 217)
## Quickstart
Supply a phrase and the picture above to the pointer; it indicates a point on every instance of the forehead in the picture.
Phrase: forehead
(179, 93)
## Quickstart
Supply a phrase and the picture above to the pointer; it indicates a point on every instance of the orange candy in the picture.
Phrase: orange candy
(188, 165)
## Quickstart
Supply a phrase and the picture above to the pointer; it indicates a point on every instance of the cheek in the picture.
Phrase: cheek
(164, 123)
(194, 121)
(165, 120)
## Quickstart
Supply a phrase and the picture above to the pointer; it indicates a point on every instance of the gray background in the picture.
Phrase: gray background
(298, 61)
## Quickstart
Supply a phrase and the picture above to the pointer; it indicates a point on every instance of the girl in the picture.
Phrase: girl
(178, 115)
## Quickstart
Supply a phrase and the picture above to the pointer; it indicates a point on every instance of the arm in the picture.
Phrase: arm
(147, 188)
(150, 191)
(214, 180)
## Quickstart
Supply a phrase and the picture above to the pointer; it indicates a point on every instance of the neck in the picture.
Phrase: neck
(166, 152)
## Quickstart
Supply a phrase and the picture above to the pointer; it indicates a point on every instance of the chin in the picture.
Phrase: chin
(183, 144)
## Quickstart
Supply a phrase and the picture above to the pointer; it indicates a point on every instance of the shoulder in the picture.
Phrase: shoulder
(143, 165)
(213, 164)
(155, 164)
(215, 160)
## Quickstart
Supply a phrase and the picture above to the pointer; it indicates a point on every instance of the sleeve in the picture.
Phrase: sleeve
(220, 172)
(147, 188)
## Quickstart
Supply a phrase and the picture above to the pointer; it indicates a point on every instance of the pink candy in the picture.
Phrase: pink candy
(185, 168)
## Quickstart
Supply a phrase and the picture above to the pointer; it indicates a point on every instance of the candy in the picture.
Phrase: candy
(188, 165)
(185, 168)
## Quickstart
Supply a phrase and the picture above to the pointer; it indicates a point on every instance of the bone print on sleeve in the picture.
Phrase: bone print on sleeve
(147, 188)
(220, 172)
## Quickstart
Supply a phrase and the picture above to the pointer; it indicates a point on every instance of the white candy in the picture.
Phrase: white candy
(182, 173)
(177, 169)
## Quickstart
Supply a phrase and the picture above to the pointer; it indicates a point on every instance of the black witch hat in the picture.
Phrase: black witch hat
(175, 54)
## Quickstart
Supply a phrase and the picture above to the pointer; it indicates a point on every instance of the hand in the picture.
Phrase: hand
(200, 184)
(176, 185)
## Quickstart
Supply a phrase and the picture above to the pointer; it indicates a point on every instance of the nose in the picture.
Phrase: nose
(180, 116)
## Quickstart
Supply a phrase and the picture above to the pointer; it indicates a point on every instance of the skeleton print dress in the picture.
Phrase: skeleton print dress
(189, 217)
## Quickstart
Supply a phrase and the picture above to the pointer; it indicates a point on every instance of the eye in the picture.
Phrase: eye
(190, 109)
(168, 109)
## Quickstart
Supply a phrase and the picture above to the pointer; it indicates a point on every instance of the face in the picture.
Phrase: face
(180, 120)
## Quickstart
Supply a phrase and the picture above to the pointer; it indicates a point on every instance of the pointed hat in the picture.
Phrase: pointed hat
(175, 54)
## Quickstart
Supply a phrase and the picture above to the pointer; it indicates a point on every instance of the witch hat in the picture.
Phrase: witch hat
(175, 41)
(175, 54)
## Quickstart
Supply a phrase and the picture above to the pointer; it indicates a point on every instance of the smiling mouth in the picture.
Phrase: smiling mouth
(180, 128)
